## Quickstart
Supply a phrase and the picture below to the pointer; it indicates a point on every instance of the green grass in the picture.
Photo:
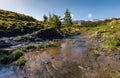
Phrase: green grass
(97, 55)
(21, 61)
(12, 16)
(110, 41)
(12, 56)
(118, 76)
(107, 34)
(13, 24)
(109, 45)
(30, 47)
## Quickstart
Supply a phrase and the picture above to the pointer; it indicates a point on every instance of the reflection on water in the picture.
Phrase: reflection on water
(12, 71)
(56, 62)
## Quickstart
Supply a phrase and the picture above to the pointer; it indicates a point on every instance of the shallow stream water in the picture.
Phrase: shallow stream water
(55, 62)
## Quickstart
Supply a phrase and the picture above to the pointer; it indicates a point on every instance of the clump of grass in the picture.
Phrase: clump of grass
(14, 55)
(17, 53)
(118, 76)
(30, 47)
(50, 44)
(110, 42)
(2, 57)
(109, 36)
(46, 45)
(95, 35)
(97, 54)
(41, 45)
(21, 61)
(109, 45)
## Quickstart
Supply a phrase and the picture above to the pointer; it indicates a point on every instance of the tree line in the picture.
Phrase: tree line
(57, 21)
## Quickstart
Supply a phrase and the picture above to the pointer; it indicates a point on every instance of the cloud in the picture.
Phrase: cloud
(90, 15)
(72, 15)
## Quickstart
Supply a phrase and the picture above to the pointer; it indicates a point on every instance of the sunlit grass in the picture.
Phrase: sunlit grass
(108, 35)
(109, 45)
(21, 61)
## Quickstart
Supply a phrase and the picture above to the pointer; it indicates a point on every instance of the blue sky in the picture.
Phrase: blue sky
(80, 9)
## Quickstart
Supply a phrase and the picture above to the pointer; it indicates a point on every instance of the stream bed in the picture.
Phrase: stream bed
(61, 61)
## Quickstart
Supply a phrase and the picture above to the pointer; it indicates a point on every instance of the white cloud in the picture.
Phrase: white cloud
(72, 15)
(90, 15)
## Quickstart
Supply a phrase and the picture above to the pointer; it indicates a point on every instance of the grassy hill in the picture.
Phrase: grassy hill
(13, 24)
(16, 17)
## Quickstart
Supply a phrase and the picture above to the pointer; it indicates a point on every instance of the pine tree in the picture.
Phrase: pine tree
(67, 18)
(50, 17)
(45, 18)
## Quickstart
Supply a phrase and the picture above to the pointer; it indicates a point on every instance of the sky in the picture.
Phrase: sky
(80, 9)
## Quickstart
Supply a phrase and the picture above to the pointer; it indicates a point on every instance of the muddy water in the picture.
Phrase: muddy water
(56, 62)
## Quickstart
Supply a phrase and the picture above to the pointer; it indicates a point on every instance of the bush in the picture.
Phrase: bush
(21, 61)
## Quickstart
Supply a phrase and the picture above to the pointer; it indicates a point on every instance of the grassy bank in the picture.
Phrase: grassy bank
(18, 54)
(104, 40)
(106, 35)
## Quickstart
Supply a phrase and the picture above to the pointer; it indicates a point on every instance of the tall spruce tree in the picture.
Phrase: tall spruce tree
(50, 17)
(45, 18)
(67, 18)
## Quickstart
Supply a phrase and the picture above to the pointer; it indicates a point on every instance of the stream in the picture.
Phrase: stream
(61, 61)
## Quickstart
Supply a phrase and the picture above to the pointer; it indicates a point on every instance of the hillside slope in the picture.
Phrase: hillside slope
(13, 16)
(13, 24)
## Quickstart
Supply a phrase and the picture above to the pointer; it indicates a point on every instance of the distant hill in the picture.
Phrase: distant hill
(97, 22)
(83, 22)
(13, 16)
